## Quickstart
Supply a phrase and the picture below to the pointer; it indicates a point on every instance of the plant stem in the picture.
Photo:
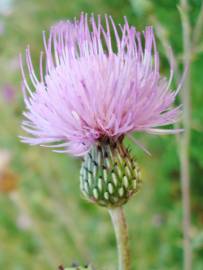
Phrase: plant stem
(198, 27)
(121, 232)
(185, 138)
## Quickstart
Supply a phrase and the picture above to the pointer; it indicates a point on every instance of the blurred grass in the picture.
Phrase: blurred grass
(45, 222)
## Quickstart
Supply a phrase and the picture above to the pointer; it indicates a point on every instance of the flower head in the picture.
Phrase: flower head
(100, 81)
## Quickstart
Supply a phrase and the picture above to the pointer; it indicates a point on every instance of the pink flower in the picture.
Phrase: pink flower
(100, 81)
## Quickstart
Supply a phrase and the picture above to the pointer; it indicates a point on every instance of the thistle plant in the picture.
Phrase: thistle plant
(101, 83)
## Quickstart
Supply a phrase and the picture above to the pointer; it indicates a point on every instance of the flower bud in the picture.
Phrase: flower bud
(77, 267)
(109, 174)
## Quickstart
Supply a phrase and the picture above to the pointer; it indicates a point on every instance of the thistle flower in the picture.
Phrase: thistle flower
(100, 84)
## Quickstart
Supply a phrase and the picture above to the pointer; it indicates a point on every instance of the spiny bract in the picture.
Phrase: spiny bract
(109, 175)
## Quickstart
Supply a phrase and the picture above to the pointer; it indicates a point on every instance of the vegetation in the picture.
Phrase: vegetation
(45, 222)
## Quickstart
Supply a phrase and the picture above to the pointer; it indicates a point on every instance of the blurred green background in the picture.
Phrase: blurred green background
(44, 221)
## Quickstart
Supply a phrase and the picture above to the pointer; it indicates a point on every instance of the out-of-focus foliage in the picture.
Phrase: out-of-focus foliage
(44, 221)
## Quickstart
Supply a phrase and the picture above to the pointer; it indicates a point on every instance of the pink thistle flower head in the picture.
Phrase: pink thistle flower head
(100, 81)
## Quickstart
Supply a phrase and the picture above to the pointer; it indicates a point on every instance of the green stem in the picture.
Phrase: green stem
(185, 138)
(121, 232)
